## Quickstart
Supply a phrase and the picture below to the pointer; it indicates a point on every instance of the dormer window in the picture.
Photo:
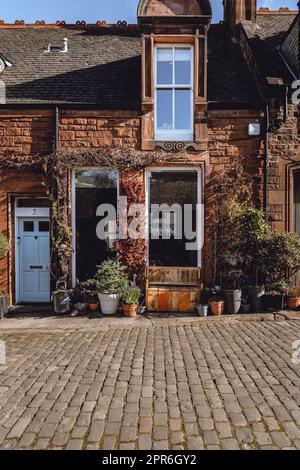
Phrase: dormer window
(174, 92)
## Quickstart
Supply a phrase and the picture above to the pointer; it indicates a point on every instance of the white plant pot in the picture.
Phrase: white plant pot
(109, 303)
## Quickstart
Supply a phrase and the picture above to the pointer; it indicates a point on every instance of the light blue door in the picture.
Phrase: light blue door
(34, 260)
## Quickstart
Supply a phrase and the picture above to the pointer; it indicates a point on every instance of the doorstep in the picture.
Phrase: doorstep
(22, 309)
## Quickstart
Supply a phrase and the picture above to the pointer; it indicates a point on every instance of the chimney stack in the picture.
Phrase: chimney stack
(236, 11)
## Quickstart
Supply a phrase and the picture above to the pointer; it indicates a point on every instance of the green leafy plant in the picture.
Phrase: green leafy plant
(131, 294)
(90, 290)
(111, 277)
(280, 287)
(4, 245)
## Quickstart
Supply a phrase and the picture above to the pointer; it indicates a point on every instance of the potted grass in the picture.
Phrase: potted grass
(4, 299)
(111, 281)
(130, 300)
(90, 291)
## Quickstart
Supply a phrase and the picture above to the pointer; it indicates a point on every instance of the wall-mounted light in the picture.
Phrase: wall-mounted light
(254, 129)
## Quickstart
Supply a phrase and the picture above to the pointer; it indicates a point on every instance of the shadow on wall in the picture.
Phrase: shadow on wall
(112, 84)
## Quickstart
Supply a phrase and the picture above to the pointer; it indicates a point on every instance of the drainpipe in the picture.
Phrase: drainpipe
(56, 131)
(266, 163)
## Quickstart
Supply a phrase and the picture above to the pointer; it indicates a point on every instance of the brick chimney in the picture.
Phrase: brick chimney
(236, 11)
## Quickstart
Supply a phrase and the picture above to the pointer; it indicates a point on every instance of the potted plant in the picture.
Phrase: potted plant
(217, 304)
(203, 307)
(293, 300)
(4, 299)
(246, 307)
(90, 290)
(232, 280)
(111, 280)
(130, 300)
(3, 304)
(274, 298)
(62, 298)
(255, 231)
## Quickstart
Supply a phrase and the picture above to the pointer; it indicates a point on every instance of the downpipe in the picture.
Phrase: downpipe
(266, 165)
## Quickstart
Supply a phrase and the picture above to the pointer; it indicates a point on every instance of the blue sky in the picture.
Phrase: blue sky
(93, 10)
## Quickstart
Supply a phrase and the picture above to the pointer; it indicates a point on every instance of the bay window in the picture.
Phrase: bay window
(174, 93)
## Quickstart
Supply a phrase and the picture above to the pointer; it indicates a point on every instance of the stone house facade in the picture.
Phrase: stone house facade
(181, 96)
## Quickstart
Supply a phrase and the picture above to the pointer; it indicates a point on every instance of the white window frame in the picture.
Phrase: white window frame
(83, 168)
(200, 220)
(174, 134)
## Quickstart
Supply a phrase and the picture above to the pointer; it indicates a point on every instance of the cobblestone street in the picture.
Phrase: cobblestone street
(164, 384)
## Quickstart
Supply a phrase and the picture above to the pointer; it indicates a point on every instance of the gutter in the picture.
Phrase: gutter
(286, 64)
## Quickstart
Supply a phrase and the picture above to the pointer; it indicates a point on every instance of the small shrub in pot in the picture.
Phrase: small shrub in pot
(90, 290)
(111, 280)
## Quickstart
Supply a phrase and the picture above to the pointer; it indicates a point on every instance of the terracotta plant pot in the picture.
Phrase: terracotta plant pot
(293, 303)
(217, 307)
(130, 311)
(94, 307)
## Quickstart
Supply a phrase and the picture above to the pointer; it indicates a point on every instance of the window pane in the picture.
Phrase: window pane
(164, 66)
(182, 109)
(183, 58)
(172, 188)
(96, 178)
(43, 226)
(28, 226)
(93, 188)
(164, 109)
(39, 202)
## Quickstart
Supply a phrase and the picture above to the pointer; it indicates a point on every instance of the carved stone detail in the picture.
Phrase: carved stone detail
(177, 146)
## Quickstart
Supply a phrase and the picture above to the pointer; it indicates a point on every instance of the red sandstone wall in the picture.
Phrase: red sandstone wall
(33, 131)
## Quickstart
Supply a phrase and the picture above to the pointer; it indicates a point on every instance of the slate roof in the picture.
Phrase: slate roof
(103, 67)
(229, 78)
(264, 38)
(99, 67)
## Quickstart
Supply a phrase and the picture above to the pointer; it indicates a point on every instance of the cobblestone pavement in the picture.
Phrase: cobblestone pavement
(159, 385)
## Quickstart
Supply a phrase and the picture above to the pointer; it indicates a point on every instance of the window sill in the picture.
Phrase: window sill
(174, 137)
